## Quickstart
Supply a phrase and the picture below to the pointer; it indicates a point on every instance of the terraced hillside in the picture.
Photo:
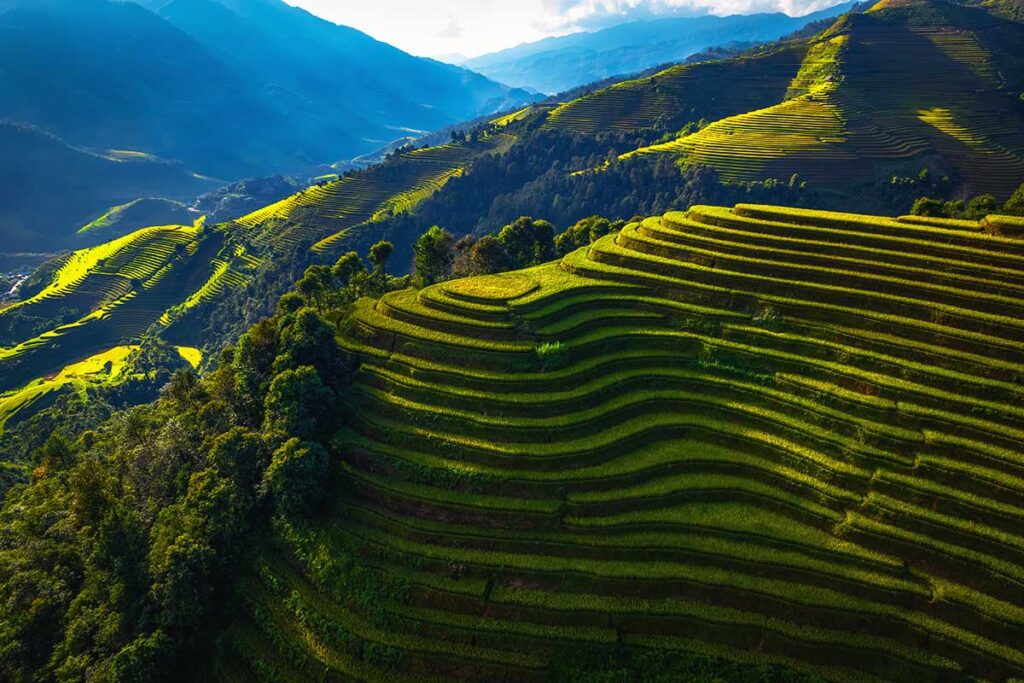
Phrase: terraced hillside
(773, 435)
(113, 294)
(856, 106)
(709, 90)
(151, 281)
(327, 213)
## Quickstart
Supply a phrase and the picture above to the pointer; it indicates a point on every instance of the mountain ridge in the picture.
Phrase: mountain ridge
(560, 63)
(183, 94)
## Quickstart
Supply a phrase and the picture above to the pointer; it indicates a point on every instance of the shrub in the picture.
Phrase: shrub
(552, 355)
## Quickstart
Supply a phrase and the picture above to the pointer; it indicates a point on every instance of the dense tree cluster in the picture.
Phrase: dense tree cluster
(523, 243)
(549, 173)
(975, 208)
(114, 553)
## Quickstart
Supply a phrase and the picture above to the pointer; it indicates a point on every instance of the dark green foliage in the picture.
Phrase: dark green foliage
(117, 548)
(975, 209)
(488, 255)
(936, 208)
(346, 268)
(523, 243)
(981, 206)
(380, 253)
(622, 664)
(534, 178)
(316, 285)
(297, 403)
(1014, 206)
(433, 256)
(528, 242)
(584, 232)
(296, 478)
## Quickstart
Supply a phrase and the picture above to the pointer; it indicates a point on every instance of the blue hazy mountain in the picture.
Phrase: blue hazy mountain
(230, 88)
(557, 64)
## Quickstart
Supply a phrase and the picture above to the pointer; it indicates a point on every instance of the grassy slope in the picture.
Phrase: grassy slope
(775, 435)
(149, 280)
(329, 215)
(119, 292)
(848, 105)
(138, 213)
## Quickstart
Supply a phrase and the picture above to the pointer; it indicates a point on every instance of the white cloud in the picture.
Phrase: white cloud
(473, 27)
(452, 31)
(591, 14)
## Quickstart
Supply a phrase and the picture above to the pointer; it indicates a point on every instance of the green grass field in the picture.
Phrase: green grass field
(774, 435)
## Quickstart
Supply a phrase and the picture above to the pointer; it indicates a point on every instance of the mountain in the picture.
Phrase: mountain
(847, 107)
(558, 64)
(230, 89)
(603, 153)
(175, 282)
(765, 443)
(49, 189)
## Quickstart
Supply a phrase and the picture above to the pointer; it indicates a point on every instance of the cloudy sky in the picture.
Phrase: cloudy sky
(473, 27)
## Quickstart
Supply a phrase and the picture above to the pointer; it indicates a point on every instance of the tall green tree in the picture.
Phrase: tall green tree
(296, 479)
(434, 252)
(528, 242)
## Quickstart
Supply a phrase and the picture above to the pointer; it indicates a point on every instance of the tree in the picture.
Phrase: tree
(1014, 206)
(346, 267)
(316, 286)
(240, 454)
(380, 253)
(254, 356)
(981, 206)
(489, 256)
(307, 339)
(434, 252)
(290, 302)
(296, 478)
(584, 232)
(55, 453)
(297, 404)
(462, 263)
(182, 388)
(935, 208)
(528, 242)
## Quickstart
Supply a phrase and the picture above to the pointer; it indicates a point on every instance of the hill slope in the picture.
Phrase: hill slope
(48, 188)
(774, 435)
(558, 64)
(230, 89)
(145, 283)
(848, 106)
(162, 281)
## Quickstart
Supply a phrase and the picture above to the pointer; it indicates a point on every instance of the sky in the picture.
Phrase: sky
(442, 28)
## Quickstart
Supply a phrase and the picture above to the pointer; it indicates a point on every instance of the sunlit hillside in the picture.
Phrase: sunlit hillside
(756, 433)
(904, 85)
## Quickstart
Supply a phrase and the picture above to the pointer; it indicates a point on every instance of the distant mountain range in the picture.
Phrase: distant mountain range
(554, 65)
(231, 88)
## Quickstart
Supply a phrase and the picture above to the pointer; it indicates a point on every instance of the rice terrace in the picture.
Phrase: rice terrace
(321, 360)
